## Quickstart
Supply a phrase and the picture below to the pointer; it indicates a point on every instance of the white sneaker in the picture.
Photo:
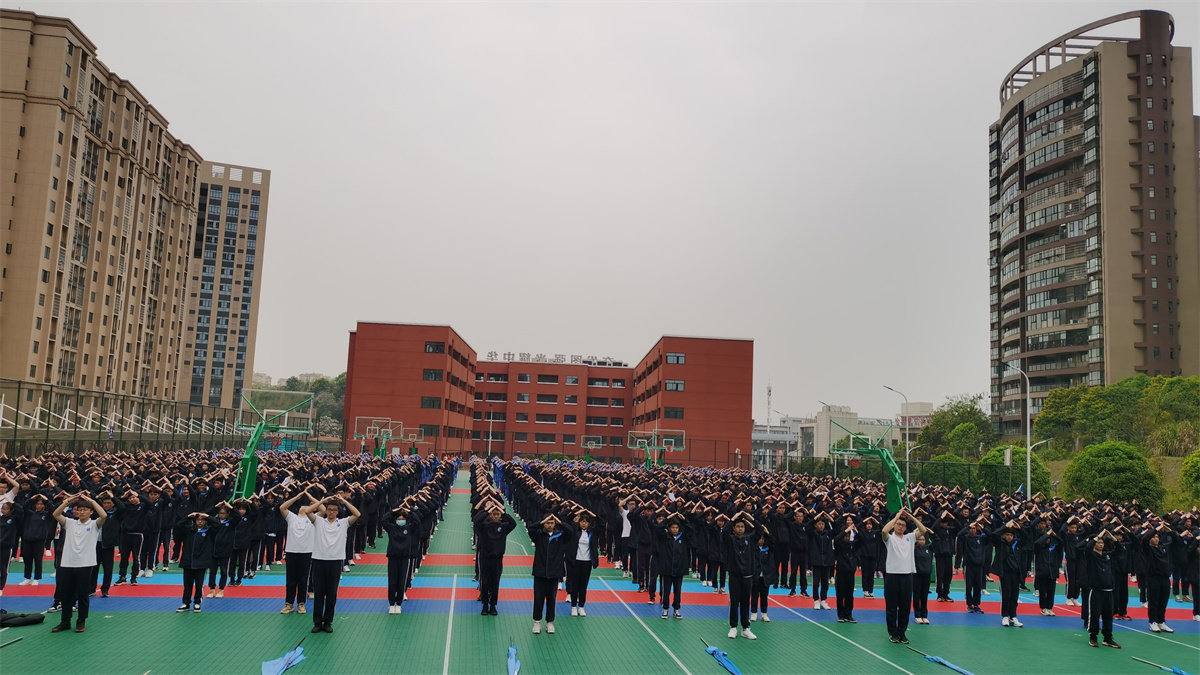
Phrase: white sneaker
(816, 604)
(141, 574)
(537, 627)
(1154, 628)
(574, 611)
(582, 612)
(1017, 624)
(1196, 617)
(824, 605)
(266, 568)
(399, 609)
(25, 582)
(765, 618)
(753, 616)
(34, 582)
(1004, 622)
(1050, 612)
(1145, 604)
(391, 609)
(55, 574)
(149, 573)
(986, 592)
(345, 568)
(1165, 628)
(732, 633)
(550, 627)
(746, 633)
(357, 556)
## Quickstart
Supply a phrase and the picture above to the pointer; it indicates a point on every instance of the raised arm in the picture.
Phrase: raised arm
(354, 514)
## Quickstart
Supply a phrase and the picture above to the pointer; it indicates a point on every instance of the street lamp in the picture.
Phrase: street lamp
(906, 450)
(787, 443)
(1028, 464)
(491, 418)
(1028, 425)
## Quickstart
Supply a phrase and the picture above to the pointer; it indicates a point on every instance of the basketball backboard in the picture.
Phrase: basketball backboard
(292, 411)
(377, 427)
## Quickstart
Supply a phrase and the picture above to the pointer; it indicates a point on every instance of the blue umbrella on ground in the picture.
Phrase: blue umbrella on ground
(284, 662)
(944, 662)
(1172, 669)
(514, 666)
(721, 657)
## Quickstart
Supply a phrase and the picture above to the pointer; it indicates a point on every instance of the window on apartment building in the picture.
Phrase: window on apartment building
(477, 416)
(547, 379)
(522, 398)
(521, 437)
(1154, 305)
(676, 358)
(523, 378)
(618, 384)
(479, 377)
(543, 438)
(568, 439)
(546, 419)
(597, 401)
(1153, 237)
(571, 399)
(430, 430)
(1152, 214)
(618, 421)
(597, 382)
(570, 419)
(616, 441)
(597, 421)
(495, 417)
(435, 347)
(431, 402)
(522, 417)
(1153, 282)
(497, 377)
(1154, 329)
(547, 398)
(674, 385)
(572, 379)
(433, 375)
(618, 403)
(496, 397)
(479, 396)
(1153, 261)
(1157, 352)
(673, 413)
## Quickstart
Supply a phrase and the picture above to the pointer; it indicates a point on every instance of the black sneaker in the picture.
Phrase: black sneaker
(119, 582)
(841, 620)
(328, 628)
(895, 640)
(196, 608)
(182, 608)
(664, 614)
(903, 639)
(316, 629)
(851, 620)
(56, 607)
(792, 594)
(492, 612)
(1109, 642)
(678, 615)
(1092, 642)
(485, 611)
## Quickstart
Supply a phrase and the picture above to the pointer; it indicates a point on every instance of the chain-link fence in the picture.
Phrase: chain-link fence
(973, 477)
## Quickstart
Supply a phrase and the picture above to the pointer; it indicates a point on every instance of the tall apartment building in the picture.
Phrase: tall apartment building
(222, 318)
(430, 379)
(1094, 240)
(97, 218)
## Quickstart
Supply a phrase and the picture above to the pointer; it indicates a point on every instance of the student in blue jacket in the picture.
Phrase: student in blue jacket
(550, 546)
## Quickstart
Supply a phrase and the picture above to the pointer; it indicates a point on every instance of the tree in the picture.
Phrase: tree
(1113, 470)
(948, 470)
(328, 426)
(963, 409)
(964, 440)
(998, 478)
(1059, 414)
(1189, 477)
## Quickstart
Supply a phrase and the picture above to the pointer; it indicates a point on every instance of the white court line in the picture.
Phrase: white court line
(832, 632)
(639, 620)
(1120, 625)
(449, 627)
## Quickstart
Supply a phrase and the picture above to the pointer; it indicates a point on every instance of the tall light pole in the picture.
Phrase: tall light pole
(1029, 463)
(1028, 425)
(906, 450)
(787, 443)
(491, 418)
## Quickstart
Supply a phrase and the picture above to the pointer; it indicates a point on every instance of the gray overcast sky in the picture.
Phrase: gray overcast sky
(581, 178)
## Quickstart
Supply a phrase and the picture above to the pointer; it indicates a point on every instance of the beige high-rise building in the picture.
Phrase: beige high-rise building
(97, 220)
(1095, 237)
(222, 317)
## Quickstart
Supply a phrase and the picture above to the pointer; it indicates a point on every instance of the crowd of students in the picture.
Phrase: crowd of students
(741, 533)
(314, 513)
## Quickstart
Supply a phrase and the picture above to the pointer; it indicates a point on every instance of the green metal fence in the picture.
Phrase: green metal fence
(973, 477)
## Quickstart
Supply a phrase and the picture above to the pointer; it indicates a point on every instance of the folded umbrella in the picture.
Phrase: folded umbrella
(514, 666)
(284, 662)
(1172, 669)
(944, 662)
(721, 657)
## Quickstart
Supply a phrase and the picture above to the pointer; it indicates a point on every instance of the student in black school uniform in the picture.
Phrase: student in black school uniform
(698, 520)
(244, 517)
(1157, 547)
(822, 558)
(38, 527)
(492, 526)
(1192, 547)
(869, 555)
(1009, 565)
(1047, 560)
(403, 530)
(847, 546)
(132, 537)
(1073, 540)
(1096, 575)
(781, 538)
(257, 532)
(1119, 548)
(582, 556)
(923, 562)
(184, 501)
(224, 527)
(106, 544)
(10, 524)
(798, 530)
(716, 551)
(549, 554)
(674, 554)
(152, 524)
(766, 577)
(81, 534)
(943, 546)
(195, 558)
(973, 553)
(741, 559)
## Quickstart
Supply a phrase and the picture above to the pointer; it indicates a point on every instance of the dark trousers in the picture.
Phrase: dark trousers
(399, 570)
(799, 568)
(164, 542)
(579, 574)
(272, 549)
(671, 583)
(1158, 591)
(326, 576)
(1045, 587)
(131, 547)
(193, 579)
(1121, 596)
(897, 594)
(149, 551)
(1100, 613)
(238, 563)
(73, 587)
(759, 594)
(869, 565)
(642, 571)
(844, 591)
(716, 573)
(944, 568)
(921, 583)
(821, 582)
(625, 553)
(219, 563)
(1072, 579)
(973, 576)
(5, 559)
(1010, 587)
(104, 560)
(490, 569)
(297, 568)
(739, 600)
(1179, 581)
(545, 593)
(782, 554)
(31, 551)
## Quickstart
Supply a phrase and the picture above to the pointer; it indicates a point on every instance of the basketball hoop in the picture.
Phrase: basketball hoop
(855, 462)
(276, 441)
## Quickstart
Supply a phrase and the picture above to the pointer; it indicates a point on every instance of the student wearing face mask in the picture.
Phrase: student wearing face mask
(492, 526)
(404, 539)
